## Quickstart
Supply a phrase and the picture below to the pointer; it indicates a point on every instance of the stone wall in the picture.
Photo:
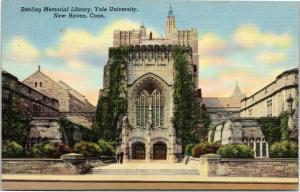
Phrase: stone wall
(47, 166)
(252, 167)
(37, 166)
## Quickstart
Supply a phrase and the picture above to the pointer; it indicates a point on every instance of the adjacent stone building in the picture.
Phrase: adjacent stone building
(276, 97)
(69, 99)
(27, 100)
(40, 108)
(147, 130)
(222, 108)
(241, 130)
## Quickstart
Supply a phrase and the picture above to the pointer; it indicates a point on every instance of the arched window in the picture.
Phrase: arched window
(149, 108)
(142, 108)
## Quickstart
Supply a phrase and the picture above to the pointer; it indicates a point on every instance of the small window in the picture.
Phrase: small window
(35, 84)
(41, 84)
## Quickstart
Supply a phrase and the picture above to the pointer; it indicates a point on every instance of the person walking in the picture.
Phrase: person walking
(118, 157)
(121, 157)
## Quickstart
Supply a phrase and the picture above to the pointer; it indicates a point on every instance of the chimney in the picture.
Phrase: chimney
(39, 68)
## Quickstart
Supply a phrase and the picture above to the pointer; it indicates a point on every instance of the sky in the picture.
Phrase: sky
(248, 42)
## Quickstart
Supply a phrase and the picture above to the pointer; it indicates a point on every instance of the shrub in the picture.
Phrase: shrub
(88, 149)
(106, 147)
(235, 151)
(11, 149)
(55, 150)
(38, 150)
(284, 149)
(204, 148)
(188, 149)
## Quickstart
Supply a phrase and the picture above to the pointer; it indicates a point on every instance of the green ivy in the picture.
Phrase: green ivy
(212, 135)
(69, 128)
(186, 105)
(15, 126)
(270, 126)
(284, 128)
(112, 105)
(275, 129)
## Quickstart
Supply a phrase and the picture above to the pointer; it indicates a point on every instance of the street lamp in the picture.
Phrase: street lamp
(290, 105)
(291, 110)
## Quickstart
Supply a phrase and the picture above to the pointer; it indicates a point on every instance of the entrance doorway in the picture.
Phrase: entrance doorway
(138, 151)
(159, 151)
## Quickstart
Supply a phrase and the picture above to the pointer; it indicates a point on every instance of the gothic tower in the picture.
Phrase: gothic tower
(171, 25)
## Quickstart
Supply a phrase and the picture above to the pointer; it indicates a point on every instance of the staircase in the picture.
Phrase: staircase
(144, 171)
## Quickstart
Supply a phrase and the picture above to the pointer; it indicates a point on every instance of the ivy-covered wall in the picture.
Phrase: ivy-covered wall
(113, 104)
(187, 113)
(15, 126)
(70, 128)
(275, 128)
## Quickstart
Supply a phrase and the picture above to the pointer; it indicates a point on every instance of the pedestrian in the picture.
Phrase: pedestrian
(121, 157)
(118, 157)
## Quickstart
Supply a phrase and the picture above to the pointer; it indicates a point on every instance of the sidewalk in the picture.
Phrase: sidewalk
(170, 178)
(144, 182)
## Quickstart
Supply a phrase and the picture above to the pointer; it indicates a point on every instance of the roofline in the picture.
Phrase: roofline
(294, 70)
(38, 71)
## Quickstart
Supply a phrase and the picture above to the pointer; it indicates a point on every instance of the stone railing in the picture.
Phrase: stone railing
(65, 166)
(269, 167)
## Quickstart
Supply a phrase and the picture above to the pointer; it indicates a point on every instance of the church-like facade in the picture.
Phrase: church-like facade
(147, 129)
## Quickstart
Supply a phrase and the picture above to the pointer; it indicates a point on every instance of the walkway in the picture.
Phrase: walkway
(152, 168)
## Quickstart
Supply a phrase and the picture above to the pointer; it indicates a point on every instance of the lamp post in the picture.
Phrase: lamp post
(291, 110)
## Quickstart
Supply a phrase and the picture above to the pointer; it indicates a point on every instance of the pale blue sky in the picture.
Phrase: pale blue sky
(276, 25)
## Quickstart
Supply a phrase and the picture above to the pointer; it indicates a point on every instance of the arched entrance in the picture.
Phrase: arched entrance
(159, 151)
(138, 150)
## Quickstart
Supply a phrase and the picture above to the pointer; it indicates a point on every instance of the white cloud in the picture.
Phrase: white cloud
(21, 51)
(271, 57)
(250, 36)
(210, 43)
(75, 42)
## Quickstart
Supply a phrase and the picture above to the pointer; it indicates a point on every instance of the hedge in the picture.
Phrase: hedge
(284, 149)
(235, 151)
(87, 149)
(204, 148)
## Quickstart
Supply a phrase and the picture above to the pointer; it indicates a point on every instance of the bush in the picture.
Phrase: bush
(38, 150)
(235, 151)
(87, 149)
(55, 150)
(204, 148)
(284, 149)
(106, 147)
(11, 149)
(188, 149)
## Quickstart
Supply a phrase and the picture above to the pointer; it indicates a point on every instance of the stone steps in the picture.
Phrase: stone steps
(145, 171)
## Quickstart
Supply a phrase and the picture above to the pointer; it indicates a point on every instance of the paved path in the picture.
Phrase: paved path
(135, 168)
(146, 182)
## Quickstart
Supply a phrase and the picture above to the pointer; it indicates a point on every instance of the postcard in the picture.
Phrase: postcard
(149, 95)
